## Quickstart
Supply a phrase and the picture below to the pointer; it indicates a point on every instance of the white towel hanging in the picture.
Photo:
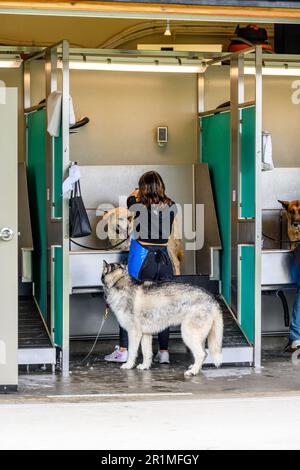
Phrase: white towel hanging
(267, 152)
(74, 175)
(54, 109)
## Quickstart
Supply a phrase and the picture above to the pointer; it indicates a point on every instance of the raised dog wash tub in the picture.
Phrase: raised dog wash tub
(278, 268)
(86, 267)
(279, 273)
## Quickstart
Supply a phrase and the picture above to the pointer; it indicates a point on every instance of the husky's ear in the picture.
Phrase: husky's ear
(105, 267)
(285, 204)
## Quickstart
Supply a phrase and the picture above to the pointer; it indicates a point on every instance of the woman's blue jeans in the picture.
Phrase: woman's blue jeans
(295, 324)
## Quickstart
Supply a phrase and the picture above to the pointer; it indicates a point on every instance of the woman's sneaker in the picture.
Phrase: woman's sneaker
(295, 345)
(162, 357)
(292, 347)
(117, 356)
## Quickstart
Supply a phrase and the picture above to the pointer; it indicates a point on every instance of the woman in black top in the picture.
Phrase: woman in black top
(154, 214)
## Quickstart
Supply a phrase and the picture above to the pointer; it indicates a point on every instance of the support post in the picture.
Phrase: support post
(258, 212)
(65, 211)
(26, 85)
(26, 99)
(200, 93)
(236, 97)
(53, 230)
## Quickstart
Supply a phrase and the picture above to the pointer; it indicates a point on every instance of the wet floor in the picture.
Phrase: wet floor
(98, 380)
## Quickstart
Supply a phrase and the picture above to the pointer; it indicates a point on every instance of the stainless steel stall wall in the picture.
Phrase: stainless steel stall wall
(24, 223)
(105, 185)
(208, 258)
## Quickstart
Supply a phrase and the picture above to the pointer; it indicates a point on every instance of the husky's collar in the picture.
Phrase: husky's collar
(116, 282)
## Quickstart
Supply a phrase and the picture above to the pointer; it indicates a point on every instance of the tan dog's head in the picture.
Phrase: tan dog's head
(293, 212)
(119, 226)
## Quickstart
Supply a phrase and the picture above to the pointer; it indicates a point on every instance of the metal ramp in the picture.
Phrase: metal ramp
(236, 348)
(35, 345)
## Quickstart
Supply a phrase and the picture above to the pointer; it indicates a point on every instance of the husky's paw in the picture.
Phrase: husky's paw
(218, 360)
(127, 366)
(191, 372)
(144, 366)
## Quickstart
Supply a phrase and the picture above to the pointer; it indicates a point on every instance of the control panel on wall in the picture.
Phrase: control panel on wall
(162, 136)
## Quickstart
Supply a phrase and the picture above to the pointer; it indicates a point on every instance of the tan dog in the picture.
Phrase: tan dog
(292, 209)
(120, 225)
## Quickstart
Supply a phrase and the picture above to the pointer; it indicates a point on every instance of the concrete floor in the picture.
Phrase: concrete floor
(99, 406)
(98, 381)
(239, 423)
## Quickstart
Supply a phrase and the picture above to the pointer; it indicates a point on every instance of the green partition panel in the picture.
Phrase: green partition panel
(36, 173)
(215, 151)
(247, 290)
(57, 295)
(247, 199)
(247, 164)
(58, 260)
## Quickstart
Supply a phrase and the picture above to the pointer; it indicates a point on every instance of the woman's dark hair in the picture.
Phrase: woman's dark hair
(152, 189)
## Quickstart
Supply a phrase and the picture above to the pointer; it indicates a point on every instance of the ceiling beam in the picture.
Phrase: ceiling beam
(151, 11)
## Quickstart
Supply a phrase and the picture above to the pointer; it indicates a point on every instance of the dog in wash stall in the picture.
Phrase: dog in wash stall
(146, 308)
(292, 209)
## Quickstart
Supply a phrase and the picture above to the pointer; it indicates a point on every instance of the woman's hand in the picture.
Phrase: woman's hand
(135, 193)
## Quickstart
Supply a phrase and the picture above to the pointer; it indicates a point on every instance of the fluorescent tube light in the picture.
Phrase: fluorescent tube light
(135, 67)
(168, 29)
(276, 71)
(10, 64)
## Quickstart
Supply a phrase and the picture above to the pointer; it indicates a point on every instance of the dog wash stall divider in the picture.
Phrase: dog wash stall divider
(230, 149)
(230, 142)
(47, 159)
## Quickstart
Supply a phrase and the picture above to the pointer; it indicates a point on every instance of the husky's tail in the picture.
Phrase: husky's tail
(215, 337)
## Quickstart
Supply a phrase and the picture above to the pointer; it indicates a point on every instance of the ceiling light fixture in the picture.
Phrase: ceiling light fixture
(138, 67)
(284, 71)
(168, 29)
(10, 63)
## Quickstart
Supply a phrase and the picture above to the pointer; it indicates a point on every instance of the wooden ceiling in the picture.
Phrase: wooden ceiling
(266, 11)
(35, 30)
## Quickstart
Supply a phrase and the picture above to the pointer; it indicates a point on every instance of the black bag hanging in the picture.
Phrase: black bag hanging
(79, 222)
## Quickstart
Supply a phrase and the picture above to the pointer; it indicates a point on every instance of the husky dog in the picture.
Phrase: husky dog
(144, 309)
(120, 225)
